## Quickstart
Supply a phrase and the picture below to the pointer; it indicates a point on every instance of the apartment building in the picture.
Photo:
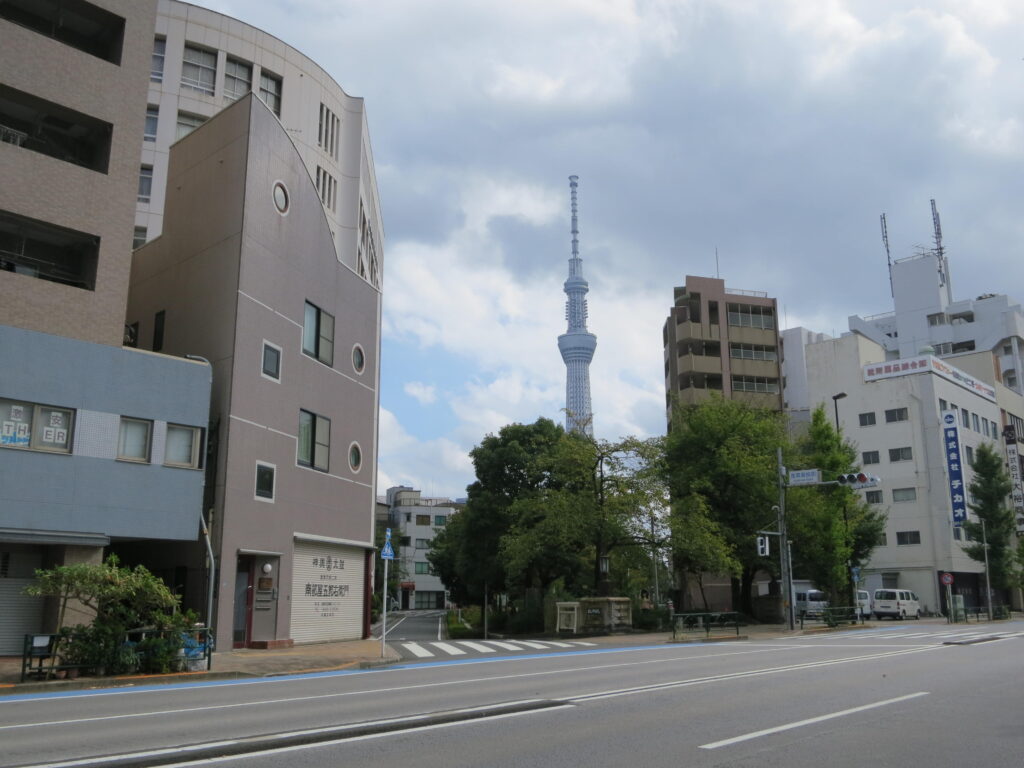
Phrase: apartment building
(414, 521)
(724, 341)
(99, 445)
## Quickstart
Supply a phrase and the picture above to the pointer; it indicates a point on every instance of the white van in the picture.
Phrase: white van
(898, 603)
(863, 604)
(813, 603)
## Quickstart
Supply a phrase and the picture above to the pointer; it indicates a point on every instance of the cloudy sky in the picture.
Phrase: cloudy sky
(769, 132)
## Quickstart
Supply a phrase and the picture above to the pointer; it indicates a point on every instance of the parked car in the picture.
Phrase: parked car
(864, 609)
(811, 603)
(897, 603)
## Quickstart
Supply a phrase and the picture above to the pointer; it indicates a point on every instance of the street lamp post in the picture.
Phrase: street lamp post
(846, 522)
(988, 585)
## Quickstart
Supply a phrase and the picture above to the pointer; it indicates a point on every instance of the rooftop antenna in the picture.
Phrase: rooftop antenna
(888, 256)
(939, 253)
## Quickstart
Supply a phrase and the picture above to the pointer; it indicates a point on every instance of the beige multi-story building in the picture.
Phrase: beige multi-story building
(725, 341)
(202, 61)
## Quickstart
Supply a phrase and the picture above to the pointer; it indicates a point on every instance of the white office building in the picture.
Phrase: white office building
(415, 521)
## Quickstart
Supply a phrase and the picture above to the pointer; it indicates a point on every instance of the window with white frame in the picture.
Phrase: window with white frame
(901, 454)
(271, 361)
(965, 418)
(152, 119)
(182, 446)
(752, 352)
(35, 426)
(422, 543)
(314, 441)
(318, 334)
(199, 69)
(422, 519)
(265, 475)
(145, 183)
(237, 79)
(896, 414)
(751, 315)
(904, 494)
(975, 422)
(873, 497)
(867, 419)
(755, 384)
(133, 440)
(422, 568)
(156, 69)
(904, 538)
(969, 455)
(187, 123)
(270, 91)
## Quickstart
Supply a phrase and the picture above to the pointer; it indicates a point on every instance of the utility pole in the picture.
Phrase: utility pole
(988, 586)
(787, 576)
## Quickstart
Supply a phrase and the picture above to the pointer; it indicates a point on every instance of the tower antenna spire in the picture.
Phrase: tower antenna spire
(888, 256)
(577, 344)
(940, 254)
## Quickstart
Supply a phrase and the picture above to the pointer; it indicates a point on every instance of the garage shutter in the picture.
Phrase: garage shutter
(19, 614)
(327, 592)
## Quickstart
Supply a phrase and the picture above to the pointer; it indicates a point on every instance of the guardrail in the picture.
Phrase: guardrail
(833, 616)
(705, 622)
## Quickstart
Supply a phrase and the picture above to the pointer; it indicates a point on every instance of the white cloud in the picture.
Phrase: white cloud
(423, 393)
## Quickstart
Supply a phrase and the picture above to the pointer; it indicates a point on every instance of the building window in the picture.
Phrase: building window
(943, 405)
(271, 361)
(237, 79)
(904, 494)
(134, 439)
(975, 423)
(938, 318)
(896, 414)
(131, 335)
(965, 418)
(404, 541)
(145, 183)
(422, 568)
(901, 454)
(76, 23)
(753, 316)
(270, 91)
(355, 457)
(358, 359)
(199, 69)
(314, 441)
(327, 188)
(904, 538)
(38, 249)
(265, 481)
(182, 446)
(187, 123)
(969, 455)
(869, 457)
(867, 419)
(329, 129)
(139, 237)
(873, 497)
(34, 426)
(958, 533)
(883, 539)
(440, 521)
(984, 426)
(422, 543)
(422, 519)
(754, 384)
(752, 352)
(281, 198)
(156, 69)
(318, 334)
(158, 330)
(152, 118)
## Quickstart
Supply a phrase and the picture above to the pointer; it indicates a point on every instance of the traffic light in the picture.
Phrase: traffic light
(762, 546)
(858, 480)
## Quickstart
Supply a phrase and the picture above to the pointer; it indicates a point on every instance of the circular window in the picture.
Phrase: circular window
(355, 457)
(358, 358)
(280, 198)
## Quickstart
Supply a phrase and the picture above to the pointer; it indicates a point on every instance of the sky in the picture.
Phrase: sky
(753, 140)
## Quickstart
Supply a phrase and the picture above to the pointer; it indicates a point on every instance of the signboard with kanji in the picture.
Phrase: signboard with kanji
(954, 468)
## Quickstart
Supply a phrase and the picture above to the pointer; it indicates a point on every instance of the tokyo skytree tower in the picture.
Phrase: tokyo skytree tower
(577, 344)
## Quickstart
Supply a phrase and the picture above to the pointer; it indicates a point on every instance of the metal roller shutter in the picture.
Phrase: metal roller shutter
(19, 614)
(327, 592)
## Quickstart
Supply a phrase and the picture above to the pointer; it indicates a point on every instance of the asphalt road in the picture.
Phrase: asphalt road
(894, 696)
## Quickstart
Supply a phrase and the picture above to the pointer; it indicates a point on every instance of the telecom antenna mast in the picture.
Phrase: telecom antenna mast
(888, 256)
(939, 253)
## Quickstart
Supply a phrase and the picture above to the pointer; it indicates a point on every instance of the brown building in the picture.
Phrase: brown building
(723, 341)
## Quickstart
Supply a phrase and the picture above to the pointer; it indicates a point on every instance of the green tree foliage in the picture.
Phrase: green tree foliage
(122, 599)
(990, 488)
(699, 546)
(830, 526)
(721, 454)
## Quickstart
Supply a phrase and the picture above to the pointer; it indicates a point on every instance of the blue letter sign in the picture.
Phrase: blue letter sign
(951, 443)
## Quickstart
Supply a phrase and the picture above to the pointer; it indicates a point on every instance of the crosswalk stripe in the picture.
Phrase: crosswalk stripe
(532, 644)
(581, 642)
(505, 646)
(417, 650)
(452, 650)
(476, 646)
(558, 644)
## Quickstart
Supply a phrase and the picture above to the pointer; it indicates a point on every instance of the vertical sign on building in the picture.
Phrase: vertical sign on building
(1013, 465)
(957, 492)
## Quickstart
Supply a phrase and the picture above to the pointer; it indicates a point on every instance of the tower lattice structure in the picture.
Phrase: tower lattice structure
(577, 344)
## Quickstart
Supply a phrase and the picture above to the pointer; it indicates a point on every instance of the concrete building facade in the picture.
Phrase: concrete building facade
(415, 521)
(723, 341)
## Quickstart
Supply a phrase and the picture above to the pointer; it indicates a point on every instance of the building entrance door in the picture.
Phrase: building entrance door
(243, 602)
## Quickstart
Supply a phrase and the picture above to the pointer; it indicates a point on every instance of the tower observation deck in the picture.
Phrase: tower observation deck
(577, 344)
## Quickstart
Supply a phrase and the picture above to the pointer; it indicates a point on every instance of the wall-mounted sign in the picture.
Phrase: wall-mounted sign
(1013, 468)
(928, 364)
(951, 446)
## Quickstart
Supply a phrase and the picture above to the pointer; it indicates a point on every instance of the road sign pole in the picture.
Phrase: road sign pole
(384, 599)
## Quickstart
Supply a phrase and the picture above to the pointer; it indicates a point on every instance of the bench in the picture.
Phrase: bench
(40, 649)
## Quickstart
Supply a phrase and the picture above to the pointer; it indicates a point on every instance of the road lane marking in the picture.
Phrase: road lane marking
(479, 647)
(530, 644)
(810, 721)
(505, 646)
(452, 650)
(417, 650)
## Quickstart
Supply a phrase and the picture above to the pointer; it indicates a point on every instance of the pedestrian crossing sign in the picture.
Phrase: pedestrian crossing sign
(387, 553)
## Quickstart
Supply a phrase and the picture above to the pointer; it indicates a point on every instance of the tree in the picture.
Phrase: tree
(831, 527)
(990, 488)
(722, 454)
(698, 546)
